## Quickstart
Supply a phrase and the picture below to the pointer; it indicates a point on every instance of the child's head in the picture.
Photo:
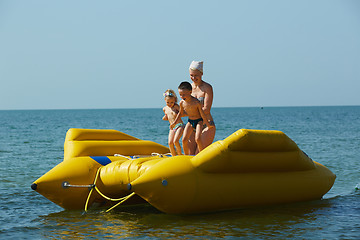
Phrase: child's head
(185, 90)
(170, 97)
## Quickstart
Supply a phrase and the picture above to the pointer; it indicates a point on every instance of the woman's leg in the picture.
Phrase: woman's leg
(207, 136)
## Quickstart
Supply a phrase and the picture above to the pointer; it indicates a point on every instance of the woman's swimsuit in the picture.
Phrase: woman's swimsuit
(194, 122)
(201, 99)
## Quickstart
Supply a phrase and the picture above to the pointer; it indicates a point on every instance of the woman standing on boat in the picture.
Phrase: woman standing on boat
(204, 93)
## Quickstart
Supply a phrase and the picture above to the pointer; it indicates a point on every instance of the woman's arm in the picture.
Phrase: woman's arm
(203, 116)
(208, 99)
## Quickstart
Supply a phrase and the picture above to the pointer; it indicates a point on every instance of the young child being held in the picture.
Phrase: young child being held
(171, 110)
(197, 118)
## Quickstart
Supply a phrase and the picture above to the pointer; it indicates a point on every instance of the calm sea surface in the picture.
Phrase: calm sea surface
(31, 143)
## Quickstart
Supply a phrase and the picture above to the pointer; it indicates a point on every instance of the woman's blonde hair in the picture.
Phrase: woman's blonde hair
(170, 93)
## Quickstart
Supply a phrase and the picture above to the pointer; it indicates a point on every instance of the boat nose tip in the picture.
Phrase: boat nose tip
(34, 186)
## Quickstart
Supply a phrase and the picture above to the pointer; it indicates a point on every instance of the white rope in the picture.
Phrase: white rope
(143, 156)
(161, 155)
(119, 155)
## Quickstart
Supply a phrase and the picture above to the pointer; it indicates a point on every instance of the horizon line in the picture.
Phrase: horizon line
(55, 109)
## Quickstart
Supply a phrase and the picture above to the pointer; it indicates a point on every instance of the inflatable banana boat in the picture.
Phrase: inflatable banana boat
(248, 168)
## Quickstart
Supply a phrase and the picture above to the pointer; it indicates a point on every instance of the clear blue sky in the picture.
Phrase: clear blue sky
(125, 54)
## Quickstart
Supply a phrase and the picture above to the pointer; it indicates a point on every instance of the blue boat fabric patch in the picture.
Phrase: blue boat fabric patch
(103, 160)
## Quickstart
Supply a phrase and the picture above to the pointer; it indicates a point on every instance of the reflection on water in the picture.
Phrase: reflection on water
(298, 220)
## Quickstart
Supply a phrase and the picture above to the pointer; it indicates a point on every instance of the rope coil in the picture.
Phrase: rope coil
(93, 186)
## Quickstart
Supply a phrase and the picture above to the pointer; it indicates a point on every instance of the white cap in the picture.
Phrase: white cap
(196, 65)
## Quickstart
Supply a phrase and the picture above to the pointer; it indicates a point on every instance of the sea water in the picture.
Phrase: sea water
(31, 143)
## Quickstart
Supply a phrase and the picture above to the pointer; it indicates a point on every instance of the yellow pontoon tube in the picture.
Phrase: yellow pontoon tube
(86, 152)
(249, 168)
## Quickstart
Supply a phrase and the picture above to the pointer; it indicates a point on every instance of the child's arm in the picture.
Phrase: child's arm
(165, 117)
(203, 116)
(178, 116)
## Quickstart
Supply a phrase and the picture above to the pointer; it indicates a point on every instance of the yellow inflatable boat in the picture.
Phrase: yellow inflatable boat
(249, 168)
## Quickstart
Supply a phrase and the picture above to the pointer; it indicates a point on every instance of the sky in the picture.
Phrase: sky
(88, 54)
